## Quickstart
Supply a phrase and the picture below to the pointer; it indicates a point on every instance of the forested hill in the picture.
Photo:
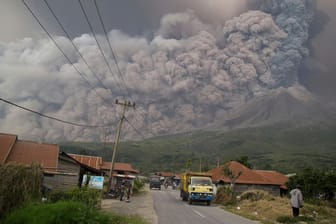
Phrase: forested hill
(275, 147)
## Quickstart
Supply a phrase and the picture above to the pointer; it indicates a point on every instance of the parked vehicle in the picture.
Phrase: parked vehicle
(155, 183)
(196, 187)
(113, 193)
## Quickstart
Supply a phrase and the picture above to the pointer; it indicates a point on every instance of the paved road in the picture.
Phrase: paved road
(166, 207)
(171, 209)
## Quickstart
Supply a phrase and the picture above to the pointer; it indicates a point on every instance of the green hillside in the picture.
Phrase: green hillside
(275, 147)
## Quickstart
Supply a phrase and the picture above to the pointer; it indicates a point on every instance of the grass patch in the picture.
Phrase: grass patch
(290, 220)
(64, 212)
(266, 208)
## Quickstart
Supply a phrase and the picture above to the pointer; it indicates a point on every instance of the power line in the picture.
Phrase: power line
(59, 48)
(53, 118)
(111, 49)
(135, 129)
(75, 47)
(100, 48)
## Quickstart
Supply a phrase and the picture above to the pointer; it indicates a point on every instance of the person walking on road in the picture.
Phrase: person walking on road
(296, 200)
(122, 190)
(128, 191)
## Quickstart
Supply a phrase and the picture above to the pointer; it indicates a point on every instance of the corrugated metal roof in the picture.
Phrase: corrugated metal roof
(6, 144)
(248, 176)
(26, 152)
(92, 161)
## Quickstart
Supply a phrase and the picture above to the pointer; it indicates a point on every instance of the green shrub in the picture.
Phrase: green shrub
(67, 212)
(87, 196)
(290, 219)
(225, 196)
(19, 185)
(256, 195)
(138, 185)
(60, 212)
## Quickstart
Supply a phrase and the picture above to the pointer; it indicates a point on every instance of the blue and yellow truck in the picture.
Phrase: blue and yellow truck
(196, 186)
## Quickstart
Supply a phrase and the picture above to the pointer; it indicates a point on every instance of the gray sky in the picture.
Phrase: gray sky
(324, 48)
(134, 17)
(170, 53)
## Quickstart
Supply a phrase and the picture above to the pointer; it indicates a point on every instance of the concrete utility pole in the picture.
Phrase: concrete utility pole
(125, 104)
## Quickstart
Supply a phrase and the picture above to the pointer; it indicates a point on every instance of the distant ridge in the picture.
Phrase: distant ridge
(292, 105)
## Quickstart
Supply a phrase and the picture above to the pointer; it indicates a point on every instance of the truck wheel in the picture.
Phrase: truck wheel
(190, 201)
(208, 203)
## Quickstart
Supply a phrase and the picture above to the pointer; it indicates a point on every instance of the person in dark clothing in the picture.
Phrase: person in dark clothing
(128, 191)
(122, 190)
(296, 200)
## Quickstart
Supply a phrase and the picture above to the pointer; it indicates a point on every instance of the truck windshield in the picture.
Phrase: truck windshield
(200, 181)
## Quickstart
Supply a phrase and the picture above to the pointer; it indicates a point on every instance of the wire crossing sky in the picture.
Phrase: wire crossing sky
(188, 64)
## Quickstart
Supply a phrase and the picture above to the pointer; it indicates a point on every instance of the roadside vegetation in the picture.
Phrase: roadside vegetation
(319, 206)
(64, 212)
(261, 206)
(21, 194)
(19, 185)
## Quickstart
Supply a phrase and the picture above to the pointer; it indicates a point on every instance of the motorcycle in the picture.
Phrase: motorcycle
(113, 193)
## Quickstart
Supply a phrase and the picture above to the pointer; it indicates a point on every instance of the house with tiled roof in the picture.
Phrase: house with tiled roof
(121, 171)
(59, 169)
(247, 179)
(13, 150)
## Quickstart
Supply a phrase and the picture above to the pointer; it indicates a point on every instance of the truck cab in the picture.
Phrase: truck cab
(197, 187)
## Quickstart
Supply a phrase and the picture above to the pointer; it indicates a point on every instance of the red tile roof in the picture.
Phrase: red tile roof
(98, 163)
(27, 153)
(92, 161)
(6, 144)
(165, 174)
(274, 177)
(248, 176)
(106, 166)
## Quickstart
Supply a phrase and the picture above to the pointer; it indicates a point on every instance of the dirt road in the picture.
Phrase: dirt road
(140, 204)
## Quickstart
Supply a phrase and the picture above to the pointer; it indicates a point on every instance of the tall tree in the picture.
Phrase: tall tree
(230, 174)
(244, 160)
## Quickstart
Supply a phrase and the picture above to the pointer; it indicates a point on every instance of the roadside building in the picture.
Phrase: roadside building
(248, 179)
(60, 171)
(121, 171)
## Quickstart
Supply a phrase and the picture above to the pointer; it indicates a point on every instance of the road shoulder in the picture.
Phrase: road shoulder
(140, 204)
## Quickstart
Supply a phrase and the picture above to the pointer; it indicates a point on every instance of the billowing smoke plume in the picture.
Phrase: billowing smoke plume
(189, 75)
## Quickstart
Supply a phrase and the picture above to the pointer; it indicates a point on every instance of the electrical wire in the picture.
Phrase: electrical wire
(99, 46)
(134, 128)
(68, 59)
(111, 49)
(75, 47)
(60, 49)
(53, 118)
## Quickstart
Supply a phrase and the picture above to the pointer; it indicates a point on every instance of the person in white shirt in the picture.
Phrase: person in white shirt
(296, 200)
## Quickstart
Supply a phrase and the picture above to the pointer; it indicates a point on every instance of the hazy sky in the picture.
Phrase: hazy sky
(135, 17)
(185, 62)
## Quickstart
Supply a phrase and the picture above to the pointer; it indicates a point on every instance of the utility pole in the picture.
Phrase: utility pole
(125, 104)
